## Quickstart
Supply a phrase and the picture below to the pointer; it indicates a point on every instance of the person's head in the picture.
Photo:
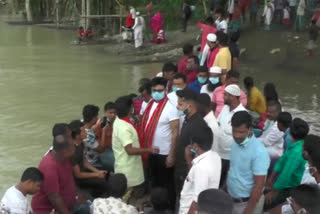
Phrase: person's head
(159, 198)
(61, 129)
(169, 70)
(188, 49)
(204, 104)
(270, 92)
(110, 111)
(63, 147)
(233, 77)
(203, 75)
(31, 180)
(90, 114)
(311, 150)
(299, 129)
(248, 83)
(214, 201)
(284, 121)
(124, 106)
(187, 101)
(304, 199)
(235, 36)
(210, 21)
(273, 110)
(232, 95)
(214, 77)
(179, 82)
(241, 123)
(219, 14)
(222, 39)
(193, 63)
(145, 90)
(158, 88)
(118, 185)
(212, 40)
(202, 141)
(78, 132)
(313, 22)
(80, 28)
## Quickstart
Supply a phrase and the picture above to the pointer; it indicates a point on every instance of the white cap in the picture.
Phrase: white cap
(215, 70)
(138, 13)
(211, 37)
(233, 89)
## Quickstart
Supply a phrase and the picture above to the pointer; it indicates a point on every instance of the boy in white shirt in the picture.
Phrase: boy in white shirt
(15, 199)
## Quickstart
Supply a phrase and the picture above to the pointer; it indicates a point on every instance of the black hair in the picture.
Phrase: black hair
(313, 21)
(210, 20)
(145, 86)
(204, 99)
(158, 81)
(222, 38)
(60, 143)
(118, 185)
(75, 127)
(203, 69)
(33, 174)
(203, 138)
(220, 11)
(169, 67)
(235, 36)
(123, 106)
(143, 81)
(299, 129)
(187, 49)
(196, 60)
(109, 106)
(233, 74)
(89, 112)
(180, 76)
(214, 201)
(312, 147)
(59, 129)
(80, 28)
(285, 118)
(248, 82)
(187, 94)
(241, 118)
(159, 198)
(307, 196)
(270, 92)
(274, 103)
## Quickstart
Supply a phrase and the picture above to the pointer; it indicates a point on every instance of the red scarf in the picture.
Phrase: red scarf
(146, 129)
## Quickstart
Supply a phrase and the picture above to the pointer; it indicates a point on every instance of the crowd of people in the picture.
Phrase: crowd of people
(192, 139)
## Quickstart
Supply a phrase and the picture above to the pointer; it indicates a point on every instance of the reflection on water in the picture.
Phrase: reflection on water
(44, 80)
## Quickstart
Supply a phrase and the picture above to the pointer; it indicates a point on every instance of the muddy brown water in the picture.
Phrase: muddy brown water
(44, 80)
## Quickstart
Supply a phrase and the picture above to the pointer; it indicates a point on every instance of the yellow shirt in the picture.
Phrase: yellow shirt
(256, 101)
(130, 165)
(223, 59)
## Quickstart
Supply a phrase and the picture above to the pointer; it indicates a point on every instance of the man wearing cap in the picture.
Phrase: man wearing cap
(214, 81)
(232, 105)
(212, 49)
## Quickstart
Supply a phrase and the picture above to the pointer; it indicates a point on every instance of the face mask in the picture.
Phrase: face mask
(157, 96)
(193, 151)
(183, 112)
(175, 89)
(245, 141)
(202, 80)
(214, 80)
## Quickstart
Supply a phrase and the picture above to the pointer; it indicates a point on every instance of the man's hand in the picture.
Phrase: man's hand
(101, 174)
(170, 161)
(247, 211)
(154, 150)
(269, 196)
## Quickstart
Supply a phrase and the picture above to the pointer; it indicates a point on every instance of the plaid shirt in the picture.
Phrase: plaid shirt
(90, 144)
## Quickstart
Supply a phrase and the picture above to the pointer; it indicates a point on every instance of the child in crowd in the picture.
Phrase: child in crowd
(81, 34)
(284, 121)
(313, 35)
(286, 14)
(15, 199)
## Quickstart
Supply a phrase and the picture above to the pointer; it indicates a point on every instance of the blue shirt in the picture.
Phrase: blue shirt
(196, 86)
(287, 139)
(245, 162)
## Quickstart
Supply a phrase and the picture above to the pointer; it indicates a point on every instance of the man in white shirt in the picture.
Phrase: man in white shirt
(272, 137)
(160, 128)
(205, 169)
(232, 105)
(15, 199)
(205, 110)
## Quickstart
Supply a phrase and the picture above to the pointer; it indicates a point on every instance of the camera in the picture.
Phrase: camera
(104, 122)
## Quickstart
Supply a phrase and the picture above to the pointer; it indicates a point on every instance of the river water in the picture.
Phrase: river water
(44, 80)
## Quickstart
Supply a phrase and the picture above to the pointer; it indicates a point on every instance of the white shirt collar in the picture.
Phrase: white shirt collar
(200, 157)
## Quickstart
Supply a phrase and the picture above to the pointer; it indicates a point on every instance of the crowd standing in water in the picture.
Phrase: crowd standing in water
(192, 139)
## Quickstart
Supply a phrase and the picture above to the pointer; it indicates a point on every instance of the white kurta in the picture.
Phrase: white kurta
(268, 13)
(139, 26)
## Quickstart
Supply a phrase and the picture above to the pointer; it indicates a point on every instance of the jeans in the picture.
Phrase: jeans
(106, 160)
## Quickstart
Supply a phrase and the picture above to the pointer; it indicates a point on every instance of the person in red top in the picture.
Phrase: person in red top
(88, 33)
(187, 65)
(207, 28)
(213, 49)
(80, 33)
(58, 191)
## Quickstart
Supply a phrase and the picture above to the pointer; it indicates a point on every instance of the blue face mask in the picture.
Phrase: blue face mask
(175, 89)
(214, 80)
(202, 80)
(157, 96)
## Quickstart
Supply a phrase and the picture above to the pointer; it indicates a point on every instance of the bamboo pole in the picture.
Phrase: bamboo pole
(57, 13)
(88, 14)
